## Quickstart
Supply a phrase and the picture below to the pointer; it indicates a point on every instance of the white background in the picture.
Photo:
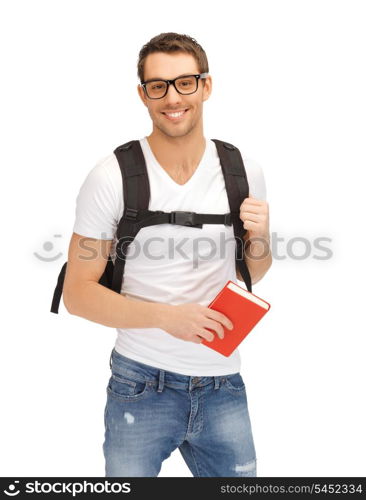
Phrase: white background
(289, 90)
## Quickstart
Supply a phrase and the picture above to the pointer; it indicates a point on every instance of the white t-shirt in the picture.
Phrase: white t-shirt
(169, 263)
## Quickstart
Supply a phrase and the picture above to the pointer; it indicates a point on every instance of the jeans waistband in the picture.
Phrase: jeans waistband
(157, 376)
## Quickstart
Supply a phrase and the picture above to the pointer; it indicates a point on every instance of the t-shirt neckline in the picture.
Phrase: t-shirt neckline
(165, 174)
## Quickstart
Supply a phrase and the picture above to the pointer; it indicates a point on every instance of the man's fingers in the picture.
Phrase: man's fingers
(206, 335)
(252, 216)
(221, 318)
(214, 325)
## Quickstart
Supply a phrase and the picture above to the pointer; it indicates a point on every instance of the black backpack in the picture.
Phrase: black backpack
(136, 214)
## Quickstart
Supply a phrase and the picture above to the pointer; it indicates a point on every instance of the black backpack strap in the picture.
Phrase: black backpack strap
(237, 189)
(193, 219)
(105, 280)
(58, 290)
(136, 195)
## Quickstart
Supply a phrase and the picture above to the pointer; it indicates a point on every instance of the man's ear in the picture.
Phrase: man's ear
(207, 88)
(141, 93)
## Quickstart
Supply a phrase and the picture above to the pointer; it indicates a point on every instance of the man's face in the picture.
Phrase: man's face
(167, 67)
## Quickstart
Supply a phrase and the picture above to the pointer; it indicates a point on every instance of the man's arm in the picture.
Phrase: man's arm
(84, 296)
(258, 258)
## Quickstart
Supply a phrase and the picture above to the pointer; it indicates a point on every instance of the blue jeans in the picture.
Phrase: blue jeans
(150, 412)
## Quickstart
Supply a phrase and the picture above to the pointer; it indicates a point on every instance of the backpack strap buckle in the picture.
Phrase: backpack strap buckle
(227, 219)
(131, 214)
(182, 218)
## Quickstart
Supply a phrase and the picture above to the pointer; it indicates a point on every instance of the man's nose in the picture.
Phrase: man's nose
(173, 94)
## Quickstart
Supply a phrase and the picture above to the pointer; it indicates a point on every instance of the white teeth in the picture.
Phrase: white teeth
(175, 115)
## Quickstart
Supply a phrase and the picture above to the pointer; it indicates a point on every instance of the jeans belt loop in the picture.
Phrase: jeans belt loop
(217, 382)
(161, 381)
(110, 360)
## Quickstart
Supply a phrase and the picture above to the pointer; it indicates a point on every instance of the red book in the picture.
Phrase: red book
(243, 308)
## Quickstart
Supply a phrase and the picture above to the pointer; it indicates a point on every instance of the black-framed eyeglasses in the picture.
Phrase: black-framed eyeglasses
(157, 89)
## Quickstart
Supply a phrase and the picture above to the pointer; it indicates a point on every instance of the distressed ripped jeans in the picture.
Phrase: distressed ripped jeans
(150, 412)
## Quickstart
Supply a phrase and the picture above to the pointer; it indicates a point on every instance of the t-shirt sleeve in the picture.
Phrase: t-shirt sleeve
(256, 180)
(97, 204)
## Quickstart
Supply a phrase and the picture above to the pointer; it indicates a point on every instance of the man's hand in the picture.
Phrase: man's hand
(190, 322)
(255, 216)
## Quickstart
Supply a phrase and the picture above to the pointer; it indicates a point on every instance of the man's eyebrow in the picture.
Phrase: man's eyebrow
(160, 78)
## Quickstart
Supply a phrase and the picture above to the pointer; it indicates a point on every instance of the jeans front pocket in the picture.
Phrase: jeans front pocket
(126, 388)
(234, 383)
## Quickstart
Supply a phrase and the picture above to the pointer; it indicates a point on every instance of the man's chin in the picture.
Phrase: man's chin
(174, 131)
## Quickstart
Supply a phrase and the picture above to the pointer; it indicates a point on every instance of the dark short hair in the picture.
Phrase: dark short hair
(170, 43)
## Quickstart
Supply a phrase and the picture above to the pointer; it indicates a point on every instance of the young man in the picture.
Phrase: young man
(167, 390)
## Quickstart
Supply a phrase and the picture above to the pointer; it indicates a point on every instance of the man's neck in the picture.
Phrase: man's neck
(179, 155)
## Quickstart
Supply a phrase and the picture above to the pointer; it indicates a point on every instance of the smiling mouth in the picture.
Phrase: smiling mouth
(175, 115)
